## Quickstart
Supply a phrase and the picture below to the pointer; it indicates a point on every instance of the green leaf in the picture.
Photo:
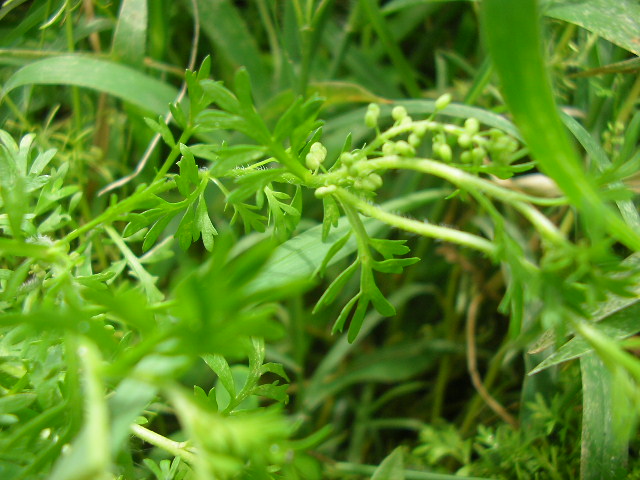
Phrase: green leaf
(41, 161)
(161, 127)
(336, 287)
(391, 468)
(219, 365)
(394, 265)
(288, 121)
(604, 451)
(143, 91)
(242, 89)
(155, 231)
(219, 120)
(338, 326)
(389, 248)
(225, 27)
(276, 368)
(147, 281)
(619, 323)
(373, 293)
(273, 391)
(616, 21)
(204, 225)
(358, 318)
(188, 167)
(186, 232)
(335, 248)
(253, 182)
(15, 402)
(221, 96)
(89, 455)
(130, 36)
(331, 216)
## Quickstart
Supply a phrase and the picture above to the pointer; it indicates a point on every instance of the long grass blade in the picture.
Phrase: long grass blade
(122, 82)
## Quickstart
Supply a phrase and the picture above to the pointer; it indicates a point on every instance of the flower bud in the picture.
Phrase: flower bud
(403, 148)
(398, 113)
(465, 141)
(414, 140)
(443, 101)
(371, 117)
(388, 148)
(472, 126)
(322, 192)
(443, 150)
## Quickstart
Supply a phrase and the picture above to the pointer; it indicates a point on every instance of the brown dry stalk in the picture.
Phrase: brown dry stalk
(472, 364)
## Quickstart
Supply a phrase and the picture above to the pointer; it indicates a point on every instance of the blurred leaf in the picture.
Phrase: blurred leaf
(225, 27)
(89, 455)
(604, 451)
(125, 83)
(15, 402)
(130, 36)
(620, 323)
(391, 468)
(618, 21)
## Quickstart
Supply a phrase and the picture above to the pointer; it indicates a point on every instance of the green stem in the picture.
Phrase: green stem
(175, 151)
(178, 449)
(116, 210)
(519, 201)
(421, 228)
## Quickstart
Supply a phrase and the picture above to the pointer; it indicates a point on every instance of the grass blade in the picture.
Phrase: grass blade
(226, 29)
(616, 21)
(604, 453)
(405, 70)
(130, 37)
(120, 81)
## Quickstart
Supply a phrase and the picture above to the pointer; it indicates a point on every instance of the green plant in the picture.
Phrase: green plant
(189, 306)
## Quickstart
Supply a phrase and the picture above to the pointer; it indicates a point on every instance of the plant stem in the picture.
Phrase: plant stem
(519, 201)
(179, 449)
(421, 228)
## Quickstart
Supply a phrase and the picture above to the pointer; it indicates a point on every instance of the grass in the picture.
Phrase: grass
(387, 240)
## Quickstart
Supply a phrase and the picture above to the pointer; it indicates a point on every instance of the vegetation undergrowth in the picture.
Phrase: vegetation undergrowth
(387, 240)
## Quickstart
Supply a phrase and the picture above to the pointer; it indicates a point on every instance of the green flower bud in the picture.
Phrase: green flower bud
(322, 192)
(312, 161)
(465, 141)
(347, 158)
(388, 148)
(398, 113)
(403, 148)
(466, 157)
(472, 126)
(317, 154)
(371, 117)
(375, 180)
(478, 154)
(414, 140)
(420, 129)
(444, 152)
(320, 150)
(443, 101)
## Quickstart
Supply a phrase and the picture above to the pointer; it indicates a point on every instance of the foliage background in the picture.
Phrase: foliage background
(168, 327)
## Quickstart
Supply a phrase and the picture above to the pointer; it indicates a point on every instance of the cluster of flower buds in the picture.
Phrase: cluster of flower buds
(317, 154)
(466, 143)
